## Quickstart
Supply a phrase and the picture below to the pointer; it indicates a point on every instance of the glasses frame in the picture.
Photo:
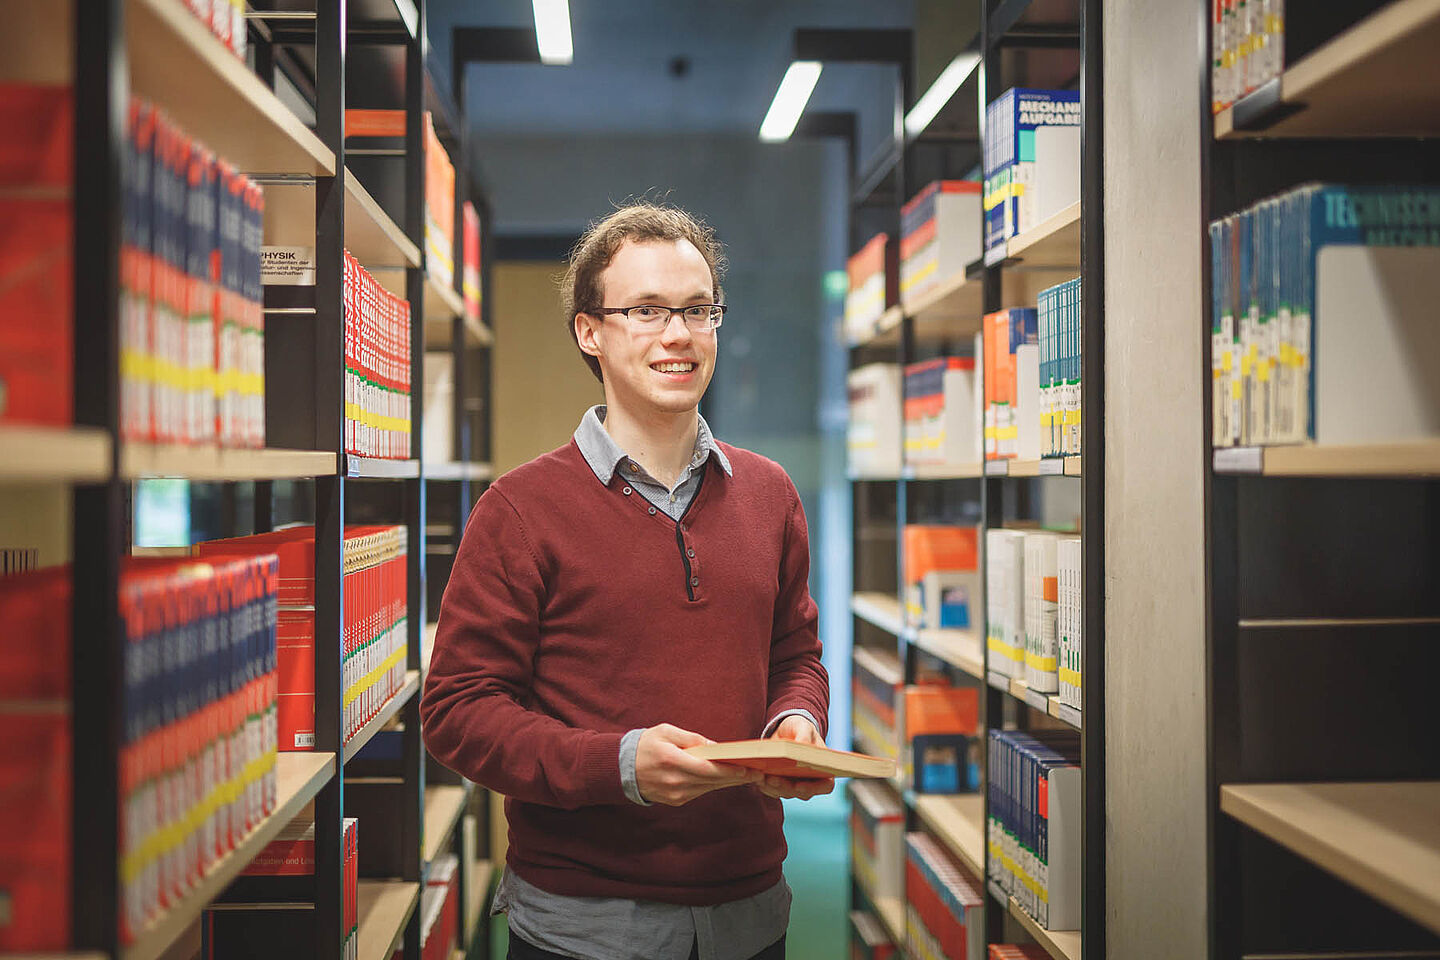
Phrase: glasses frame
(715, 324)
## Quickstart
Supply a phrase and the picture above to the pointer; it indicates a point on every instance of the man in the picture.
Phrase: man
(638, 591)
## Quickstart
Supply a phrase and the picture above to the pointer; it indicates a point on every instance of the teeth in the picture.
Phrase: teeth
(674, 367)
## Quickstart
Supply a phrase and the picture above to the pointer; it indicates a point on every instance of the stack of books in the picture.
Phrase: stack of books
(377, 367)
(1247, 45)
(1057, 321)
(873, 440)
(192, 322)
(877, 837)
(939, 235)
(439, 911)
(874, 273)
(1031, 161)
(37, 282)
(943, 403)
(1322, 319)
(875, 706)
(1012, 385)
(943, 907)
(1042, 644)
(942, 576)
(226, 19)
(1005, 601)
(197, 738)
(868, 939)
(439, 207)
(1070, 619)
(262, 913)
(375, 622)
(941, 754)
(470, 283)
(1035, 826)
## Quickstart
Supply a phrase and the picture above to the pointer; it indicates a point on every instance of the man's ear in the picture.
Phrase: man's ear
(587, 330)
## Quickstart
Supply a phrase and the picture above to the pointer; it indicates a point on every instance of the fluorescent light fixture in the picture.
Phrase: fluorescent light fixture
(552, 31)
(940, 92)
(790, 100)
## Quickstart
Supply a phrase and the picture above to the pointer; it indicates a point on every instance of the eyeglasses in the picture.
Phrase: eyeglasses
(700, 318)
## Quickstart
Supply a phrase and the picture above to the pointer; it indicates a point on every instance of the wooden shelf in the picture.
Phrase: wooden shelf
(391, 707)
(63, 454)
(952, 306)
(213, 463)
(879, 609)
(300, 776)
(1053, 243)
(1383, 838)
(886, 330)
(892, 917)
(443, 806)
(1065, 713)
(370, 235)
(888, 669)
(1048, 467)
(383, 908)
(1414, 458)
(377, 468)
(1060, 944)
(1380, 78)
(959, 823)
(209, 92)
(961, 649)
(458, 471)
(942, 471)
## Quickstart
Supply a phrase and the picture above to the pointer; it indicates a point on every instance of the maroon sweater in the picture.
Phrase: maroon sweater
(577, 612)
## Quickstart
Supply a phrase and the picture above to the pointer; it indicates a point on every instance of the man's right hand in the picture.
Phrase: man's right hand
(666, 774)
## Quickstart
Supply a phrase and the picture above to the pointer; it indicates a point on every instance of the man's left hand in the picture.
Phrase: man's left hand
(797, 728)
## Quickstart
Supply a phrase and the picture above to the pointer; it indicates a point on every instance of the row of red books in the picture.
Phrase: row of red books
(439, 911)
(943, 905)
(377, 367)
(375, 623)
(192, 321)
(226, 19)
(197, 760)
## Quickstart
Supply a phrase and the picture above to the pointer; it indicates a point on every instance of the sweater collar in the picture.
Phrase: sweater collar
(603, 454)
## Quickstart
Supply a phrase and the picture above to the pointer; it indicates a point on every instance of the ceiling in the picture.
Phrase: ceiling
(654, 67)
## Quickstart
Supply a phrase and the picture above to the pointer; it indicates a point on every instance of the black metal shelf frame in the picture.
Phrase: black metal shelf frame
(1002, 29)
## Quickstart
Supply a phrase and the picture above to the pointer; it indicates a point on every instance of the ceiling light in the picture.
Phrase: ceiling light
(790, 100)
(940, 92)
(552, 31)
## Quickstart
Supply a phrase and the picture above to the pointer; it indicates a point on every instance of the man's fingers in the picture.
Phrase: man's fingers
(670, 733)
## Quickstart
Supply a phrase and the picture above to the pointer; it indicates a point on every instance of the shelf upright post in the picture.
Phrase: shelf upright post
(98, 528)
(330, 46)
(1092, 353)
(412, 753)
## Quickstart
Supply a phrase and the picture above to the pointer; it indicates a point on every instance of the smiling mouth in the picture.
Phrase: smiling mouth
(673, 367)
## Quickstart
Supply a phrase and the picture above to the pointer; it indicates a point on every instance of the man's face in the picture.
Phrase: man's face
(662, 371)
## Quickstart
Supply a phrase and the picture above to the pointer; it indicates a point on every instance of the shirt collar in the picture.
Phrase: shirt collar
(603, 454)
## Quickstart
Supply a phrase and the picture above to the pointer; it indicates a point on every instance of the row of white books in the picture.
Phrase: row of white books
(1033, 609)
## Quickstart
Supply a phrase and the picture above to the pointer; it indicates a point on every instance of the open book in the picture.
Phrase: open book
(786, 758)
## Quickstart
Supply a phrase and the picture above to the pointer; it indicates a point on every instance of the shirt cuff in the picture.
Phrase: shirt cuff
(775, 722)
(629, 745)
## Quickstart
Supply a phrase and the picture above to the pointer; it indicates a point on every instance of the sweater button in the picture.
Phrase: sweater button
(652, 511)
(694, 581)
(689, 553)
(626, 491)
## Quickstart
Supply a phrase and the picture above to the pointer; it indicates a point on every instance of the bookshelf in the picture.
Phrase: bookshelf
(300, 776)
(481, 874)
(1383, 838)
(1339, 820)
(458, 471)
(62, 454)
(384, 908)
(443, 806)
(1011, 493)
(1378, 79)
(158, 50)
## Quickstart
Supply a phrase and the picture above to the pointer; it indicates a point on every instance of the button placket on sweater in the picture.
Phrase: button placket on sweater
(680, 531)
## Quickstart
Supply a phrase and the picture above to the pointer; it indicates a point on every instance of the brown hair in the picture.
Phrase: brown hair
(638, 221)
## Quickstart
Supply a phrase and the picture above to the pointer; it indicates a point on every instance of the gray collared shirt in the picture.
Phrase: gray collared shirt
(614, 928)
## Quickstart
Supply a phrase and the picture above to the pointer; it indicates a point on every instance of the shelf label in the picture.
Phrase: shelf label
(287, 266)
(1238, 459)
